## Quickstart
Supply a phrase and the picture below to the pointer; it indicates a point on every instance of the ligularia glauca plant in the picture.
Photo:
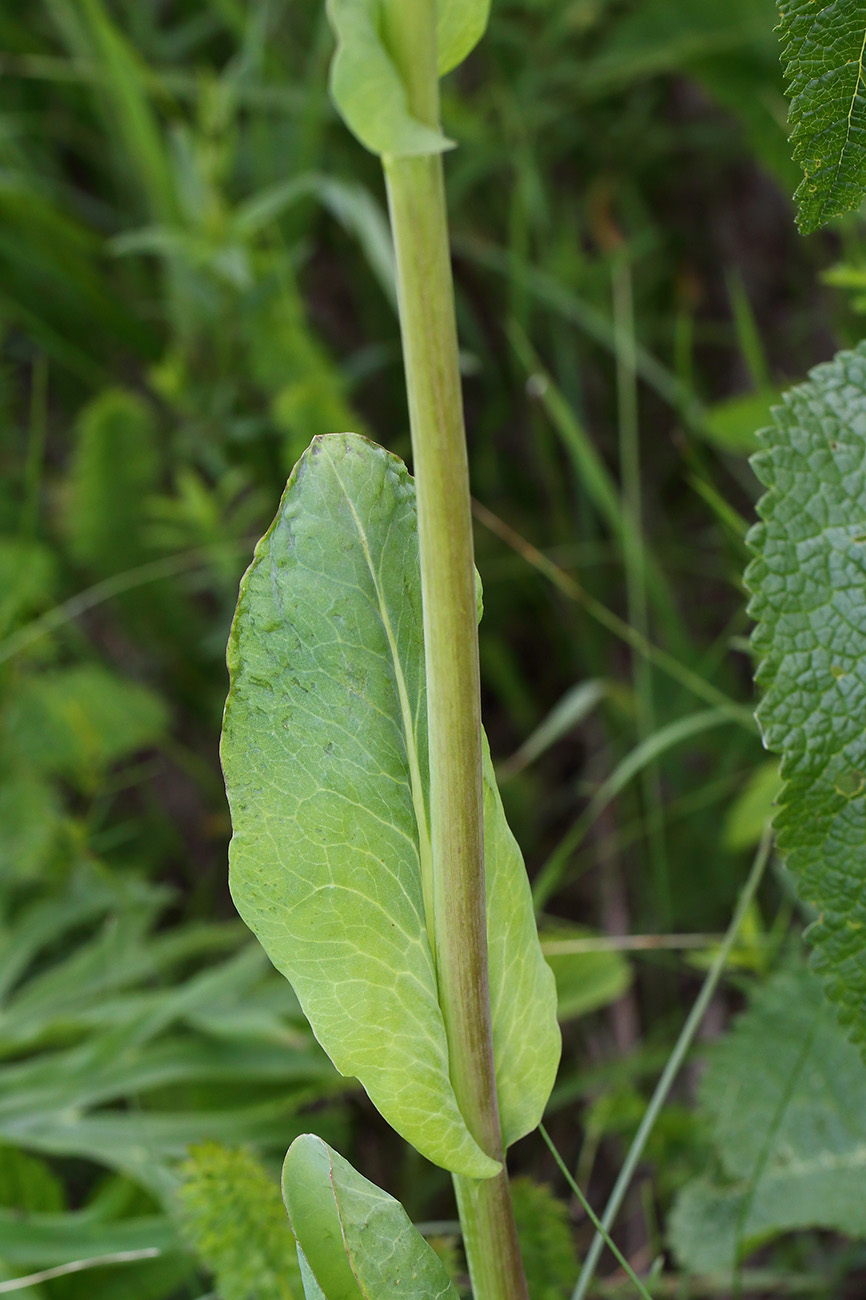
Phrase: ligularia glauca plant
(371, 854)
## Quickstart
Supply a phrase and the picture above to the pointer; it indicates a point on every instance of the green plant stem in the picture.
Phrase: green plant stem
(671, 1070)
(416, 196)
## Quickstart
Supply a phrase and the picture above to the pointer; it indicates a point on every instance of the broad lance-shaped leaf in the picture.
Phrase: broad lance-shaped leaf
(355, 1242)
(366, 84)
(809, 599)
(823, 48)
(325, 757)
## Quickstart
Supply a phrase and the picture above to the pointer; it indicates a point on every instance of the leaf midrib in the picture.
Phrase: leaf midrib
(425, 850)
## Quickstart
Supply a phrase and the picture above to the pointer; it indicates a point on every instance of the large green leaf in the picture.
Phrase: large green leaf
(823, 47)
(355, 1242)
(325, 756)
(785, 1097)
(366, 84)
(809, 585)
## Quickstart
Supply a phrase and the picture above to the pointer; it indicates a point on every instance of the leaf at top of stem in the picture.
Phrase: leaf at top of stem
(823, 49)
(325, 756)
(368, 86)
(355, 1242)
(460, 24)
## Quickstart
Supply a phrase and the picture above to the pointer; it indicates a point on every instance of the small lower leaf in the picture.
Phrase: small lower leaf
(355, 1242)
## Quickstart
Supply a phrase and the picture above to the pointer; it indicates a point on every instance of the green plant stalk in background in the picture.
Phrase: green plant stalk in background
(416, 196)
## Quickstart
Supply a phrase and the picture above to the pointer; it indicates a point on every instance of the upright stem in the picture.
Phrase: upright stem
(416, 196)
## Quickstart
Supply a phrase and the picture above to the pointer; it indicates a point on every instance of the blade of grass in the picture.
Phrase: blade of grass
(157, 82)
(566, 714)
(567, 585)
(631, 943)
(595, 477)
(747, 332)
(591, 1215)
(93, 35)
(636, 569)
(591, 322)
(678, 809)
(637, 761)
(70, 610)
(759, 1281)
(35, 447)
(77, 1266)
(675, 1061)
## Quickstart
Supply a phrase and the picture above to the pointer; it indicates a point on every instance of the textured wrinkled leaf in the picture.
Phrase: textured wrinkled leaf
(785, 1098)
(355, 1242)
(367, 88)
(823, 48)
(325, 756)
(809, 599)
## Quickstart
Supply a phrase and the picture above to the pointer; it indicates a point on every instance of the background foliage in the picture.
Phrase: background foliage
(196, 279)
